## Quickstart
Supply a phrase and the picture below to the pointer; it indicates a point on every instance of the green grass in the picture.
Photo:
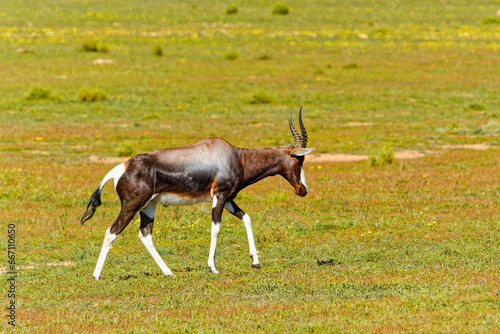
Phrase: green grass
(410, 246)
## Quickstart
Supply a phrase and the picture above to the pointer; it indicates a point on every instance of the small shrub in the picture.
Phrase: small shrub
(264, 56)
(89, 46)
(231, 55)
(281, 9)
(25, 51)
(93, 46)
(260, 96)
(382, 157)
(232, 10)
(126, 150)
(476, 107)
(158, 50)
(39, 93)
(491, 20)
(492, 127)
(103, 48)
(351, 66)
(92, 94)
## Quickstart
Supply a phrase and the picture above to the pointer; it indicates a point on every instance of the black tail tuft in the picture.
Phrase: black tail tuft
(94, 202)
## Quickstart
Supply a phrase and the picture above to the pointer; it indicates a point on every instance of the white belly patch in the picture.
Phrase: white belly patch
(170, 199)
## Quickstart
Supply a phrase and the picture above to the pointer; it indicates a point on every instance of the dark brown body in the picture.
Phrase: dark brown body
(210, 170)
(208, 167)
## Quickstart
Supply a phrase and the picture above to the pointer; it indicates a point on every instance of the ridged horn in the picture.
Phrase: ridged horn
(299, 141)
(302, 129)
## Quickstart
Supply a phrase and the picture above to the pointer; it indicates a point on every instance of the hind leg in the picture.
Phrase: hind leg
(236, 211)
(111, 234)
(146, 236)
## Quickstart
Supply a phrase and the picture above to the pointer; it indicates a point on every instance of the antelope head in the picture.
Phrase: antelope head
(294, 172)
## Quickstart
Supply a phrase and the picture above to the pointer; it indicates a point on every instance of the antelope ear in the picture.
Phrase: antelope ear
(299, 152)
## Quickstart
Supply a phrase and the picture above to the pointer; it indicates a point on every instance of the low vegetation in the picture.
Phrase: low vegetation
(231, 55)
(281, 9)
(92, 94)
(38, 92)
(232, 10)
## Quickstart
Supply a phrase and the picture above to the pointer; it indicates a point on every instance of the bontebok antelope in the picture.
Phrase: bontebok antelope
(211, 170)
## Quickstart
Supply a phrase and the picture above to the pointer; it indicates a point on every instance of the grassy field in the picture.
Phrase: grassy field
(407, 246)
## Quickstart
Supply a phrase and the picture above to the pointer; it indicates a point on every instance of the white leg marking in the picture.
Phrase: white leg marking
(303, 178)
(214, 203)
(251, 242)
(213, 244)
(106, 245)
(147, 241)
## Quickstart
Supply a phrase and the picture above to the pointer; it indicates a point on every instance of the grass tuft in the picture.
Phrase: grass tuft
(231, 55)
(93, 46)
(351, 66)
(491, 20)
(476, 107)
(381, 157)
(126, 150)
(158, 50)
(232, 10)
(281, 9)
(264, 56)
(38, 92)
(93, 94)
(260, 96)
(492, 128)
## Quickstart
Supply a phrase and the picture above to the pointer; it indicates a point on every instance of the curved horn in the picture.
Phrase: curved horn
(302, 129)
(296, 136)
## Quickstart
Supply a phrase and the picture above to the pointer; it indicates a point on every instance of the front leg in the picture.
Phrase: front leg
(217, 207)
(236, 211)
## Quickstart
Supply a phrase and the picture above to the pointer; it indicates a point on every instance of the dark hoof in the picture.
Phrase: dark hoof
(255, 266)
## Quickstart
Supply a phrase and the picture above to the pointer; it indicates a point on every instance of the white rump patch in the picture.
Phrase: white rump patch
(115, 174)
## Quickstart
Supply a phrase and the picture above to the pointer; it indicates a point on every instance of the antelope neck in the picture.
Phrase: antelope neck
(259, 163)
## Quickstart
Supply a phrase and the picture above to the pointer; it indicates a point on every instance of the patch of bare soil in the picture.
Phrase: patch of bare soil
(477, 147)
(410, 154)
(101, 61)
(65, 263)
(354, 124)
(338, 157)
(342, 157)
(107, 160)
(3, 270)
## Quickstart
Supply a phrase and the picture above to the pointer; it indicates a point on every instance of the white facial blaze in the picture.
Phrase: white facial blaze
(303, 177)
